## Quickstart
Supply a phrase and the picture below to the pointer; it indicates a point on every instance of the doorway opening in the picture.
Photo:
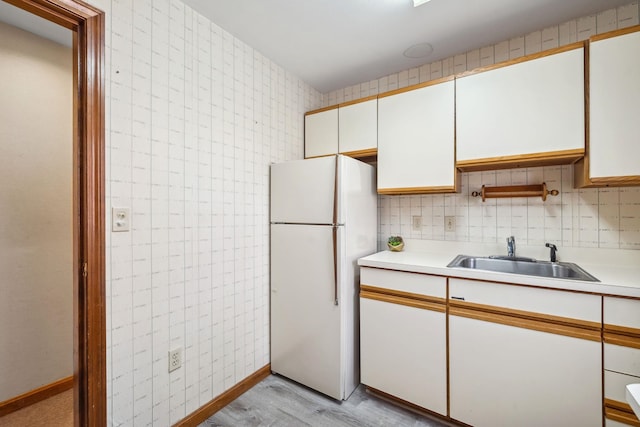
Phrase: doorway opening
(89, 325)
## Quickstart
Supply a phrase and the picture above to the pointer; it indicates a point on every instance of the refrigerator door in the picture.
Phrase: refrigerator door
(303, 191)
(306, 335)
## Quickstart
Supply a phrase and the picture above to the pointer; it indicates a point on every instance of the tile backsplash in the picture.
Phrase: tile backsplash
(593, 218)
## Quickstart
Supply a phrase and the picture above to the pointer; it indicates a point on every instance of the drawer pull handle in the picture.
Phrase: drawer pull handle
(458, 298)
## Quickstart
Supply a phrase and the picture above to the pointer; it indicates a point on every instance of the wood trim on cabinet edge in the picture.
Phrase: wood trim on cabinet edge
(321, 110)
(447, 341)
(356, 154)
(416, 86)
(89, 331)
(411, 406)
(357, 101)
(581, 174)
(616, 404)
(417, 190)
(581, 166)
(526, 58)
(549, 158)
(628, 418)
(621, 340)
(614, 33)
(208, 409)
(621, 330)
(35, 396)
(527, 315)
(409, 302)
(536, 325)
(624, 181)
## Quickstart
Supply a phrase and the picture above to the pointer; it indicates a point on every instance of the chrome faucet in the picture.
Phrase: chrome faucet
(511, 246)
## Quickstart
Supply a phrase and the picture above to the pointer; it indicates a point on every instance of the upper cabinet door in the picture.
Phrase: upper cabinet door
(529, 111)
(614, 108)
(358, 127)
(416, 139)
(321, 132)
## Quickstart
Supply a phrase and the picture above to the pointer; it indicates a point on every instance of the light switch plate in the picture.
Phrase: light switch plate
(449, 223)
(417, 222)
(120, 219)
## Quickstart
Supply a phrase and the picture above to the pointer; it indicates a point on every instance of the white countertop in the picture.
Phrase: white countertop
(618, 270)
(633, 397)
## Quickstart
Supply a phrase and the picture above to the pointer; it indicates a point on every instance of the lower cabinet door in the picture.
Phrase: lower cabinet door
(403, 352)
(503, 375)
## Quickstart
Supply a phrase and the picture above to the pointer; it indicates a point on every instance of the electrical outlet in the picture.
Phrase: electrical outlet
(449, 223)
(175, 359)
(120, 219)
(417, 222)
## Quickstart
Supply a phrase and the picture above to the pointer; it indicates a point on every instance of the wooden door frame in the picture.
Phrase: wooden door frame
(89, 336)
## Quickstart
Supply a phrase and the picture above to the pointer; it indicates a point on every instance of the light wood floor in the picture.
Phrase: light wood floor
(277, 401)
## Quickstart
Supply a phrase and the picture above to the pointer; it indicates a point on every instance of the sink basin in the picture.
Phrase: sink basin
(526, 266)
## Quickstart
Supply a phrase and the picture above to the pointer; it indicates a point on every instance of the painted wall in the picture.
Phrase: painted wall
(194, 118)
(605, 218)
(36, 267)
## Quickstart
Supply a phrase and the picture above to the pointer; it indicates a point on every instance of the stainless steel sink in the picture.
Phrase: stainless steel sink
(526, 266)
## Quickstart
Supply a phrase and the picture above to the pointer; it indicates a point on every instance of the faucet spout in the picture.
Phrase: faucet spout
(511, 246)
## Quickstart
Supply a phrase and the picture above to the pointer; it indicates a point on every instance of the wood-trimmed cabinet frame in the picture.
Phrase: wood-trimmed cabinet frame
(89, 338)
(429, 189)
(537, 159)
(366, 155)
(626, 337)
(582, 177)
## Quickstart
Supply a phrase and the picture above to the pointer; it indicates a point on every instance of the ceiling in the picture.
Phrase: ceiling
(27, 21)
(331, 44)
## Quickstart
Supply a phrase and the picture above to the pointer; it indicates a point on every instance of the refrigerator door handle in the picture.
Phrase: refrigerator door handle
(335, 191)
(335, 264)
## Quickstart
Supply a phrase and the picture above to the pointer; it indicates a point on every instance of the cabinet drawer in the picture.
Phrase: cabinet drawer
(572, 305)
(622, 312)
(612, 423)
(615, 383)
(617, 410)
(625, 360)
(415, 283)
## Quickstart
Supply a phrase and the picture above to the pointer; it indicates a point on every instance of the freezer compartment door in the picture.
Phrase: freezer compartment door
(305, 322)
(302, 191)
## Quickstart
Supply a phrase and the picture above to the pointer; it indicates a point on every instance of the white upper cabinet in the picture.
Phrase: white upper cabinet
(416, 139)
(321, 132)
(358, 127)
(614, 110)
(528, 111)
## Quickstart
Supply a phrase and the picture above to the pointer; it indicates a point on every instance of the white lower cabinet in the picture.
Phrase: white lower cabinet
(403, 337)
(621, 358)
(509, 366)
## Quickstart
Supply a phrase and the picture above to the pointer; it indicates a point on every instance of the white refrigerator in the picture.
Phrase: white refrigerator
(323, 218)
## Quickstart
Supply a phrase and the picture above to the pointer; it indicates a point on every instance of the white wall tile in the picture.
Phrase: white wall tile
(198, 116)
(628, 15)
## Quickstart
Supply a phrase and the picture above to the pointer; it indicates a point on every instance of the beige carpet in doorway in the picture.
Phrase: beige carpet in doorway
(56, 411)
